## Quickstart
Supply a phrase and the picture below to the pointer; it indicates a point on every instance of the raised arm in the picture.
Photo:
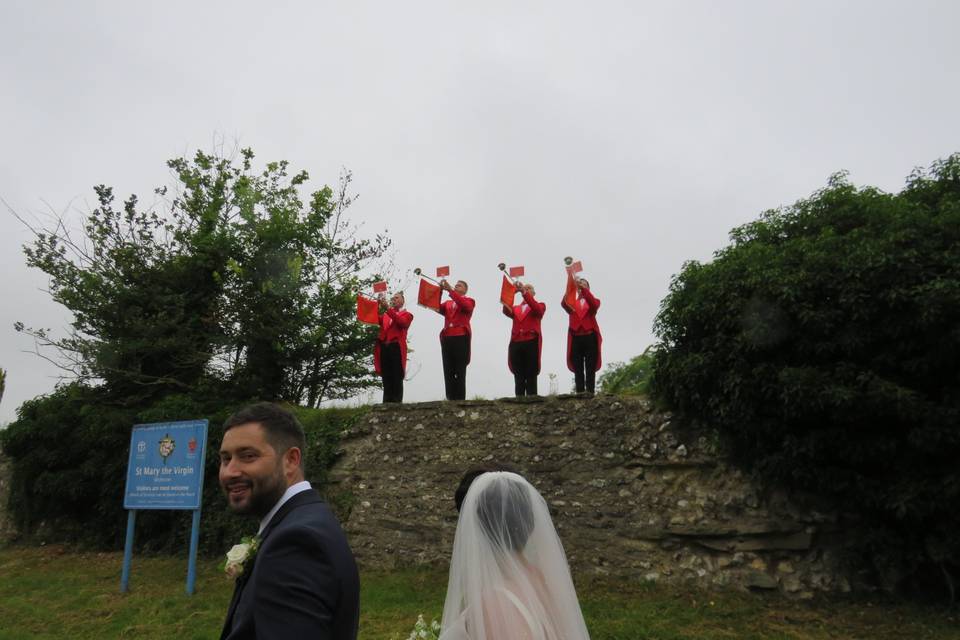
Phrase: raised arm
(400, 317)
(462, 301)
(536, 308)
(592, 302)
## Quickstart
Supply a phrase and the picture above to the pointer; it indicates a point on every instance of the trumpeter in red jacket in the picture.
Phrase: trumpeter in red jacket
(455, 338)
(526, 341)
(583, 338)
(390, 351)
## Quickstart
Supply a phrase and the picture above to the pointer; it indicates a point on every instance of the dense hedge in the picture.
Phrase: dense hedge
(825, 342)
(69, 452)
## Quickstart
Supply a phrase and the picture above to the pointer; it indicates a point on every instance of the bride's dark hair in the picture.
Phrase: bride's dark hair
(472, 474)
(505, 513)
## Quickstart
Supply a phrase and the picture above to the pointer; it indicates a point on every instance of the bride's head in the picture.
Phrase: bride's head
(504, 510)
(473, 473)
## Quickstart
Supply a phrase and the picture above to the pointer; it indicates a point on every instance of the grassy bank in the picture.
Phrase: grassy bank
(53, 593)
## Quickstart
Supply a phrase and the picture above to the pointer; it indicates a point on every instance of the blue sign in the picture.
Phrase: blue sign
(165, 468)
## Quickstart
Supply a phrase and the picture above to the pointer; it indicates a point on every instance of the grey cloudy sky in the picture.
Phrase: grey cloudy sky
(631, 135)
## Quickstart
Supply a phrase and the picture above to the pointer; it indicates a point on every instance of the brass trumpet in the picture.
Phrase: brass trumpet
(503, 267)
(569, 262)
(419, 272)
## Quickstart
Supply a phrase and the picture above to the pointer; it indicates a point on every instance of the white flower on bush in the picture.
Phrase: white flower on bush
(424, 631)
(239, 554)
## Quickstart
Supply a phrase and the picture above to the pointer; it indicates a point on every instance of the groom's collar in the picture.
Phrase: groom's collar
(291, 491)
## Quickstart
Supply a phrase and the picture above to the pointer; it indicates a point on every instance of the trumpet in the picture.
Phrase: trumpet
(503, 267)
(574, 267)
(419, 272)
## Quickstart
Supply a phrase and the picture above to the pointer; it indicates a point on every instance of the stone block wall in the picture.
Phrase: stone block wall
(634, 494)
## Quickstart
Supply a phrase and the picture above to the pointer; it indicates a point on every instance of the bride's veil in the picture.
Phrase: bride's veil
(509, 577)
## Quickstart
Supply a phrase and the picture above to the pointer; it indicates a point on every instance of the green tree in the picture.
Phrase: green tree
(142, 293)
(629, 378)
(237, 282)
(824, 342)
(232, 286)
(337, 347)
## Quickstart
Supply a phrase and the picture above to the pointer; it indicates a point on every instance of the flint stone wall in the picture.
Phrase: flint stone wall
(633, 493)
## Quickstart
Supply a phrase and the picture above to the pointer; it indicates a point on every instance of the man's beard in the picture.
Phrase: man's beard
(264, 493)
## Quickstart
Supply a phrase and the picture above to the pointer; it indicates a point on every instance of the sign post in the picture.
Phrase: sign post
(165, 471)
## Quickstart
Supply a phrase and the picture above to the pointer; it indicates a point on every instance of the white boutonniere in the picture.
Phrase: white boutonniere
(239, 555)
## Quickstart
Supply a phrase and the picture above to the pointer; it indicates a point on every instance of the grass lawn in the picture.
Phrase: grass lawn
(53, 593)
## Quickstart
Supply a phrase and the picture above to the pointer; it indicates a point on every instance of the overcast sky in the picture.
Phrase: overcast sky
(632, 136)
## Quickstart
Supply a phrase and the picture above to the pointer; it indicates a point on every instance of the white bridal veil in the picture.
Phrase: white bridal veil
(509, 578)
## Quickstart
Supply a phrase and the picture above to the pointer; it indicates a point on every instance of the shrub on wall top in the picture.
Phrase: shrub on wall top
(825, 342)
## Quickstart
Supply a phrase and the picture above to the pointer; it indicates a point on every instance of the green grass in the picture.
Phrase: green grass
(52, 593)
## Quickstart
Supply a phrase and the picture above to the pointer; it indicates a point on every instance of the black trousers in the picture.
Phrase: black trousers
(584, 352)
(391, 370)
(456, 352)
(525, 356)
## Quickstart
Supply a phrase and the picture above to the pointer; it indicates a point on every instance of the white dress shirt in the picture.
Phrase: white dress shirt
(291, 491)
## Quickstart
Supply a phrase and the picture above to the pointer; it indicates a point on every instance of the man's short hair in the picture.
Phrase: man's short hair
(282, 429)
(464, 283)
(472, 475)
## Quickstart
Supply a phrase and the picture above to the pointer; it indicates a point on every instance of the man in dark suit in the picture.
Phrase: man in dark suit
(301, 581)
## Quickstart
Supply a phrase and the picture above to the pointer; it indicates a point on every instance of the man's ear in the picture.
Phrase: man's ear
(292, 459)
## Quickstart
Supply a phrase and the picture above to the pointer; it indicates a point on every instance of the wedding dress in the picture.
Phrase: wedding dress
(509, 578)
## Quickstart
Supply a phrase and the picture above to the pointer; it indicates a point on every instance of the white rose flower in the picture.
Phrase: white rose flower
(238, 553)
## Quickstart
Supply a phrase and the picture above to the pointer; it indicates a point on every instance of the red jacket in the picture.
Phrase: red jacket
(526, 324)
(393, 328)
(456, 313)
(583, 320)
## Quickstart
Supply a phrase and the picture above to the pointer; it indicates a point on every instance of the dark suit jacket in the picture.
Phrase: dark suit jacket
(302, 582)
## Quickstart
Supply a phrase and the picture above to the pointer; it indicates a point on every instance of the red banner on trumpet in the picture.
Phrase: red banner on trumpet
(367, 310)
(570, 296)
(379, 287)
(443, 272)
(516, 272)
(507, 292)
(576, 267)
(429, 295)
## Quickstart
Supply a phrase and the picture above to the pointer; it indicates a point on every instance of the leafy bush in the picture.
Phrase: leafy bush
(69, 452)
(629, 378)
(825, 341)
